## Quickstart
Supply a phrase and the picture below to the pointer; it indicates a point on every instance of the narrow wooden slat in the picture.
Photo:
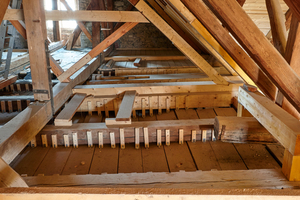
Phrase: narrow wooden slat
(125, 110)
(79, 161)
(65, 116)
(179, 157)
(105, 160)
(97, 50)
(206, 113)
(56, 68)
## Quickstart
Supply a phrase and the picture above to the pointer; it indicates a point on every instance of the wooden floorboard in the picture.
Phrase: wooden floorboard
(167, 116)
(206, 113)
(29, 160)
(225, 111)
(54, 161)
(204, 156)
(256, 156)
(79, 160)
(227, 156)
(277, 151)
(154, 159)
(105, 160)
(179, 157)
(130, 159)
(186, 114)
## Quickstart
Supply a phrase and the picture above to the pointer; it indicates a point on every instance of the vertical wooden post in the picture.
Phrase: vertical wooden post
(291, 163)
(95, 5)
(56, 26)
(36, 36)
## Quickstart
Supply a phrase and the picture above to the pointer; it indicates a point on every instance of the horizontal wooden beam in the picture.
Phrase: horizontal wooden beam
(173, 125)
(195, 181)
(132, 58)
(83, 15)
(6, 82)
(283, 126)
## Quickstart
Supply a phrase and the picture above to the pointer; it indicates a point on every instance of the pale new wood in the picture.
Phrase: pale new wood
(278, 122)
(37, 35)
(179, 42)
(241, 130)
(256, 44)
(233, 49)
(8, 177)
(97, 50)
(125, 109)
(83, 15)
(64, 118)
(137, 62)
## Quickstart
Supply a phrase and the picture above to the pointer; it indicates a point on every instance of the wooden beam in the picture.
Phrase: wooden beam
(80, 24)
(56, 26)
(19, 131)
(97, 50)
(3, 7)
(37, 35)
(64, 118)
(241, 130)
(20, 28)
(278, 122)
(294, 6)
(125, 110)
(137, 62)
(133, 58)
(6, 82)
(260, 49)
(96, 28)
(56, 68)
(10, 178)
(234, 50)
(83, 15)
(179, 42)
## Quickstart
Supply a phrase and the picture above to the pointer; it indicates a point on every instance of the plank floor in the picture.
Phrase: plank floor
(189, 156)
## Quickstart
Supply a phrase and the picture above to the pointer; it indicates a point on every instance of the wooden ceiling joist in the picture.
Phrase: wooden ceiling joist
(97, 50)
(178, 41)
(259, 48)
(234, 50)
(83, 15)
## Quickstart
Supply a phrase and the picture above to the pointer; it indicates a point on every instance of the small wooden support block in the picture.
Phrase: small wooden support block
(75, 140)
(19, 105)
(143, 108)
(116, 107)
(137, 62)
(12, 88)
(19, 87)
(98, 103)
(113, 121)
(90, 108)
(146, 138)
(194, 134)
(137, 138)
(65, 116)
(54, 141)
(89, 138)
(100, 136)
(158, 137)
(177, 103)
(126, 106)
(106, 108)
(240, 110)
(122, 138)
(33, 142)
(3, 107)
(181, 136)
(112, 140)
(66, 141)
(10, 106)
(150, 107)
(204, 135)
(167, 104)
(168, 137)
(159, 106)
(44, 140)
(27, 87)
(250, 88)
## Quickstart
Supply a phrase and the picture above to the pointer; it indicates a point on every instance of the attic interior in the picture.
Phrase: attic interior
(149, 99)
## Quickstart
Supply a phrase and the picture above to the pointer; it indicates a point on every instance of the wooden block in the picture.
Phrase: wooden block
(44, 140)
(158, 137)
(167, 105)
(90, 108)
(113, 121)
(206, 113)
(98, 103)
(168, 137)
(204, 135)
(122, 138)
(181, 135)
(75, 140)
(150, 107)
(3, 107)
(112, 140)
(179, 158)
(106, 108)
(225, 112)
(54, 141)
(66, 140)
(186, 114)
(194, 134)
(33, 142)
(10, 106)
(27, 87)
(250, 88)
(100, 137)
(143, 108)
(89, 138)
(12, 87)
(19, 105)
(137, 62)
(19, 87)
(146, 138)
(116, 107)
(137, 138)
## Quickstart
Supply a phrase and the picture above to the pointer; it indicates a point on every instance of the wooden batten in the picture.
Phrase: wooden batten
(125, 110)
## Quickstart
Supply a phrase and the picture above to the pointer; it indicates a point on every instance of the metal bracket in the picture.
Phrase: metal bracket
(40, 91)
